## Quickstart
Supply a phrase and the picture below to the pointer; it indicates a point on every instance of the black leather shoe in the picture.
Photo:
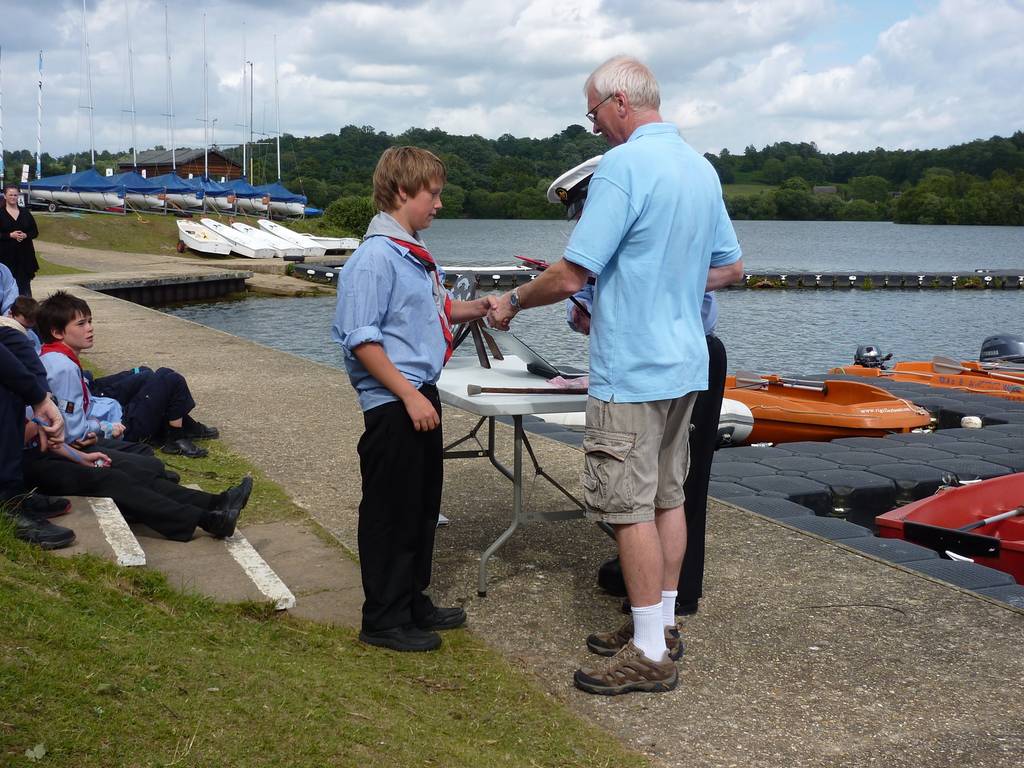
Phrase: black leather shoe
(183, 446)
(220, 523)
(236, 497)
(42, 533)
(442, 618)
(406, 639)
(199, 431)
(42, 507)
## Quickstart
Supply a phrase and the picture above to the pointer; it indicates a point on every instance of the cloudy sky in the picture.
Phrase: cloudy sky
(847, 74)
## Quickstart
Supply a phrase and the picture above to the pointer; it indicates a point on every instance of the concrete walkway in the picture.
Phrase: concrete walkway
(804, 653)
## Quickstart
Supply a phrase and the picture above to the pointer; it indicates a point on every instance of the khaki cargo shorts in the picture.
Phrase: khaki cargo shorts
(637, 456)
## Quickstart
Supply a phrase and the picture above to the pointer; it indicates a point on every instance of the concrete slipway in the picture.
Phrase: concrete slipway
(804, 652)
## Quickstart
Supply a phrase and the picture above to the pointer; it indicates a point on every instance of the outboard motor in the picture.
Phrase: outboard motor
(868, 356)
(1002, 348)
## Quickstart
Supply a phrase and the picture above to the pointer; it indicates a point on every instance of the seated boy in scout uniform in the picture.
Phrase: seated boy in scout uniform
(137, 405)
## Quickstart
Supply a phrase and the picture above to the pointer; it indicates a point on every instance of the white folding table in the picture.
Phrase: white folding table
(458, 374)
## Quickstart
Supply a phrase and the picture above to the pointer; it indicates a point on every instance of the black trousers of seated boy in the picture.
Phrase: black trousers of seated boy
(142, 492)
(150, 400)
(402, 477)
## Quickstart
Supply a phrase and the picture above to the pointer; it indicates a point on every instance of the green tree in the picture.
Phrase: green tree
(351, 214)
(873, 189)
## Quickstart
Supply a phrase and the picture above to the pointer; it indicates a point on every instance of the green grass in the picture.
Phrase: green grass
(731, 190)
(139, 232)
(101, 666)
(47, 268)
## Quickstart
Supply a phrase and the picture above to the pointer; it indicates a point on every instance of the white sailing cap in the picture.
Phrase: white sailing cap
(570, 188)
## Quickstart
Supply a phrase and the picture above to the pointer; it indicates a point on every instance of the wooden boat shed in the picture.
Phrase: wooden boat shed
(157, 162)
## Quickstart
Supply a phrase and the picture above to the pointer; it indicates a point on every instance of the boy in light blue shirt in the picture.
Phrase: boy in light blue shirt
(394, 323)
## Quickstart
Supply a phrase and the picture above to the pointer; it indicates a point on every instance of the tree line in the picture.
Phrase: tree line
(979, 182)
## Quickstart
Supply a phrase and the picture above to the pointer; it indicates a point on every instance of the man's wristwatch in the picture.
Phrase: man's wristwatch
(513, 299)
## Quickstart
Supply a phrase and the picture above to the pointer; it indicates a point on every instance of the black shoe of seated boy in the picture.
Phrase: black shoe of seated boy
(197, 430)
(42, 507)
(220, 523)
(42, 533)
(180, 445)
(237, 496)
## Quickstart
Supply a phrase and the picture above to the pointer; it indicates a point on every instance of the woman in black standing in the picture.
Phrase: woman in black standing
(17, 230)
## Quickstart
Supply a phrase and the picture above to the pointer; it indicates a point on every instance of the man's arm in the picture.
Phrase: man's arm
(422, 412)
(556, 283)
(720, 277)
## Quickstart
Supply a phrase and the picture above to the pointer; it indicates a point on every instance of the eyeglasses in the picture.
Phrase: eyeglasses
(592, 114)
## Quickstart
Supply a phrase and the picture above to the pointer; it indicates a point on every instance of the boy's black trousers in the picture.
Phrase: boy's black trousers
(402, 478)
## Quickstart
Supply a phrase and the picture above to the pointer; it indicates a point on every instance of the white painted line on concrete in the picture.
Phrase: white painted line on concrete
(119, 535)
(262, 575)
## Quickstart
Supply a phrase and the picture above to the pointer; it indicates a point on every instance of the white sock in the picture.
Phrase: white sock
(668, 607)
(648, 632)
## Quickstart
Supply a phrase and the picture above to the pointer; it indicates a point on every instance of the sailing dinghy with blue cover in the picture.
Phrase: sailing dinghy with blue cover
(216, 194)
(283, 202)
(84, 189)
(138, 191)
(178, 193)
(248, 199)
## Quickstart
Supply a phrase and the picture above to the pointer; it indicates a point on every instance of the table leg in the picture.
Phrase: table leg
(517, 496)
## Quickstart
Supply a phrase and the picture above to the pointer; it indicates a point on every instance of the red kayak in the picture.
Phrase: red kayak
(983, 521)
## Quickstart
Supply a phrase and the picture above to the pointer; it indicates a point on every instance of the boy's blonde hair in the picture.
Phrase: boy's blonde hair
(409, 168)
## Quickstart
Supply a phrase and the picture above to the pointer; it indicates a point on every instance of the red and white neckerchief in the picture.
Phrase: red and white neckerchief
(442, 300)
(61, 348)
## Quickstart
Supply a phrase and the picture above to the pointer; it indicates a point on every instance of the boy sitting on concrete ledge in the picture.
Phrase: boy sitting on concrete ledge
(137, 405)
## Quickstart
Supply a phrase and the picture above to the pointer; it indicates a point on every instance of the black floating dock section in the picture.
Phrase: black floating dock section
(978, 279)
(836, 489)
(508, 276)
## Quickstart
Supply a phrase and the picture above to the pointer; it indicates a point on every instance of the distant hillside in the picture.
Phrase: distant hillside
(978, 182)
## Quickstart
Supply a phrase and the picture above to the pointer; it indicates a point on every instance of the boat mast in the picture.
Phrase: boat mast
(1, 114)
(39, 122)
(277, 106)
(88, 86)
(251, 152)
(170, 92)
(244, 62)
(131, 85)
(206, 111)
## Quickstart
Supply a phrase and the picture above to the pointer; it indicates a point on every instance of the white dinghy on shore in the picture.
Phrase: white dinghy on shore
(201, 239)
(241, 243)
(309, 246)
(282, 248)
(335, 243)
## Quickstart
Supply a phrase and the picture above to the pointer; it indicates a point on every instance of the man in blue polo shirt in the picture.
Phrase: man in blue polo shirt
(653, 225)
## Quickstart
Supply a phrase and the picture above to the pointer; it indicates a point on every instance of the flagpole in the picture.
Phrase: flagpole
(39, 122)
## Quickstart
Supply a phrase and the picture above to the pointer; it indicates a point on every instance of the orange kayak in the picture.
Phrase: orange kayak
(787, 410)
(959, 520)
(968, 376)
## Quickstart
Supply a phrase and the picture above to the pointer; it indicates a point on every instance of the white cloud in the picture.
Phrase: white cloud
(733, 72)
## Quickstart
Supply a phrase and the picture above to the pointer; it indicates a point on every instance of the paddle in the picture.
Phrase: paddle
(748, 379)
(993, 519)
(475, 389)
(948, 365)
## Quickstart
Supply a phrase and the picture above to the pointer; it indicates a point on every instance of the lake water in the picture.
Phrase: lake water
(768, 331)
